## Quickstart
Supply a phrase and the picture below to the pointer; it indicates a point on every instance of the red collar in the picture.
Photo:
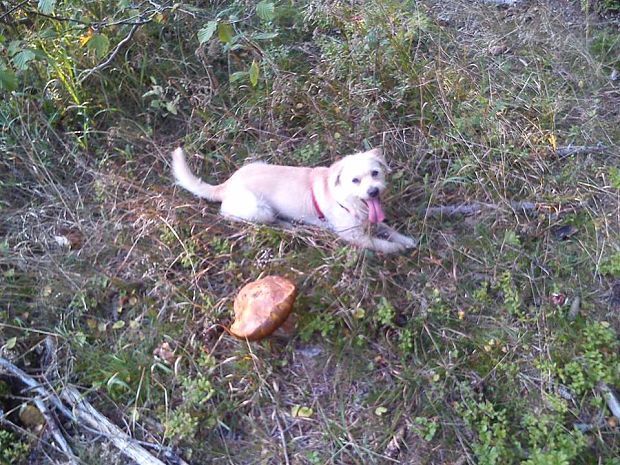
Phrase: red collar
(316, 204)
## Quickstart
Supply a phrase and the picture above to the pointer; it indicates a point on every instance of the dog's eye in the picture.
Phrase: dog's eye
(374, 173)
(356, 181)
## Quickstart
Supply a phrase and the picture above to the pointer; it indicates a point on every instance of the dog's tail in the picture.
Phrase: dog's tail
(186, 179)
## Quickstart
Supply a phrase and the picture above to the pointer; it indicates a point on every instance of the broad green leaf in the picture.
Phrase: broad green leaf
(47, 6)
(39, 55)
(15, 46)
(10, 343)
(225, 32)
(118, 325)
(207, 32)
(265, 10)
(100, 44)
(8, 80)
(2, 39)
(21, 59)
(265, 36)
(254, 73)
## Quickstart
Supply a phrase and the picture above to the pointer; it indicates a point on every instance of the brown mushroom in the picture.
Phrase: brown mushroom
(262, 306)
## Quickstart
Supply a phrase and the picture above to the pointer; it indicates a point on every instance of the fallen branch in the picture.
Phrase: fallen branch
(612, 401)
(81, 411)
(574, 309)
(569, 150)
(86, 412)
(503, 2)
(43, 394)
(55, 430)
(29, 381)
(473, 208)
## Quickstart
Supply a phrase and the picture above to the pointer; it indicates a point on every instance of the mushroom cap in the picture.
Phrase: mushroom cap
(262, 306)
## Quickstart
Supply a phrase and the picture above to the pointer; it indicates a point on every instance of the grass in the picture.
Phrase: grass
(464, 351)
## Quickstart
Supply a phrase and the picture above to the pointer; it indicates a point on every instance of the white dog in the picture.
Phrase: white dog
(344, 197)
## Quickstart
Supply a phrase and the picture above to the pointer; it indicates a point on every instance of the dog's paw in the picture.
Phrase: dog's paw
(409, 242)
(390, 247)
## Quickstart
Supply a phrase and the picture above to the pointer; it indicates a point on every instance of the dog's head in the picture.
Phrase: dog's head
(358, 181)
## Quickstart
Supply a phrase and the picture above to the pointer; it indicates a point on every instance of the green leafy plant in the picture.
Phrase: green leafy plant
(596, 359)
(193, 410)
(322, 323)
(512, 299)
(12, 450)
(385, 313)
(492, 446)
(427, 428)
(549, 442)
(181, 424)
(611, 265)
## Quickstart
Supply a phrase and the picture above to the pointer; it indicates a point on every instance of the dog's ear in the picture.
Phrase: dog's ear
(335, 171)
(377, 154)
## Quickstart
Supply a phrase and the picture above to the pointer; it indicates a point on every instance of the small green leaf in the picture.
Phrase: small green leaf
(234, 77)
(254, 73)
(171, 107)
(114, 381)
(2, 39)
(8, 80)
(265, 10)
(614, 177)
(207, 32)
(21, 59)
(11, 343)
(265, 36)
(47, 6)
(225, 32)
(380, 411)
(118, 325)
(301, 412)
(100, 44)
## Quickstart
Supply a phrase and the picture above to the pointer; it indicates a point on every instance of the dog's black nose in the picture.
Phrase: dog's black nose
(373, 192)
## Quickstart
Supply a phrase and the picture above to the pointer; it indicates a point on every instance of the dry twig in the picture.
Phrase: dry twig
(81, 412)
(473, 208)
(86, 412)
(612, 401)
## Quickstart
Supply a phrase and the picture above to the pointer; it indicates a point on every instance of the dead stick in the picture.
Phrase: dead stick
(35, 386)
(86, 412)
(40, 404)
(55, 430)
(476, 207)
(569, 150)
(612, 402)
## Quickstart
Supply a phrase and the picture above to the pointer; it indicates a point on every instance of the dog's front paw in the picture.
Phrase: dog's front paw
(409, 242)
(388, 246)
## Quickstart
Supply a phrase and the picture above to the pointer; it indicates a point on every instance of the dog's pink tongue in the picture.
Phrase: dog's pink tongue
(375, 212)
